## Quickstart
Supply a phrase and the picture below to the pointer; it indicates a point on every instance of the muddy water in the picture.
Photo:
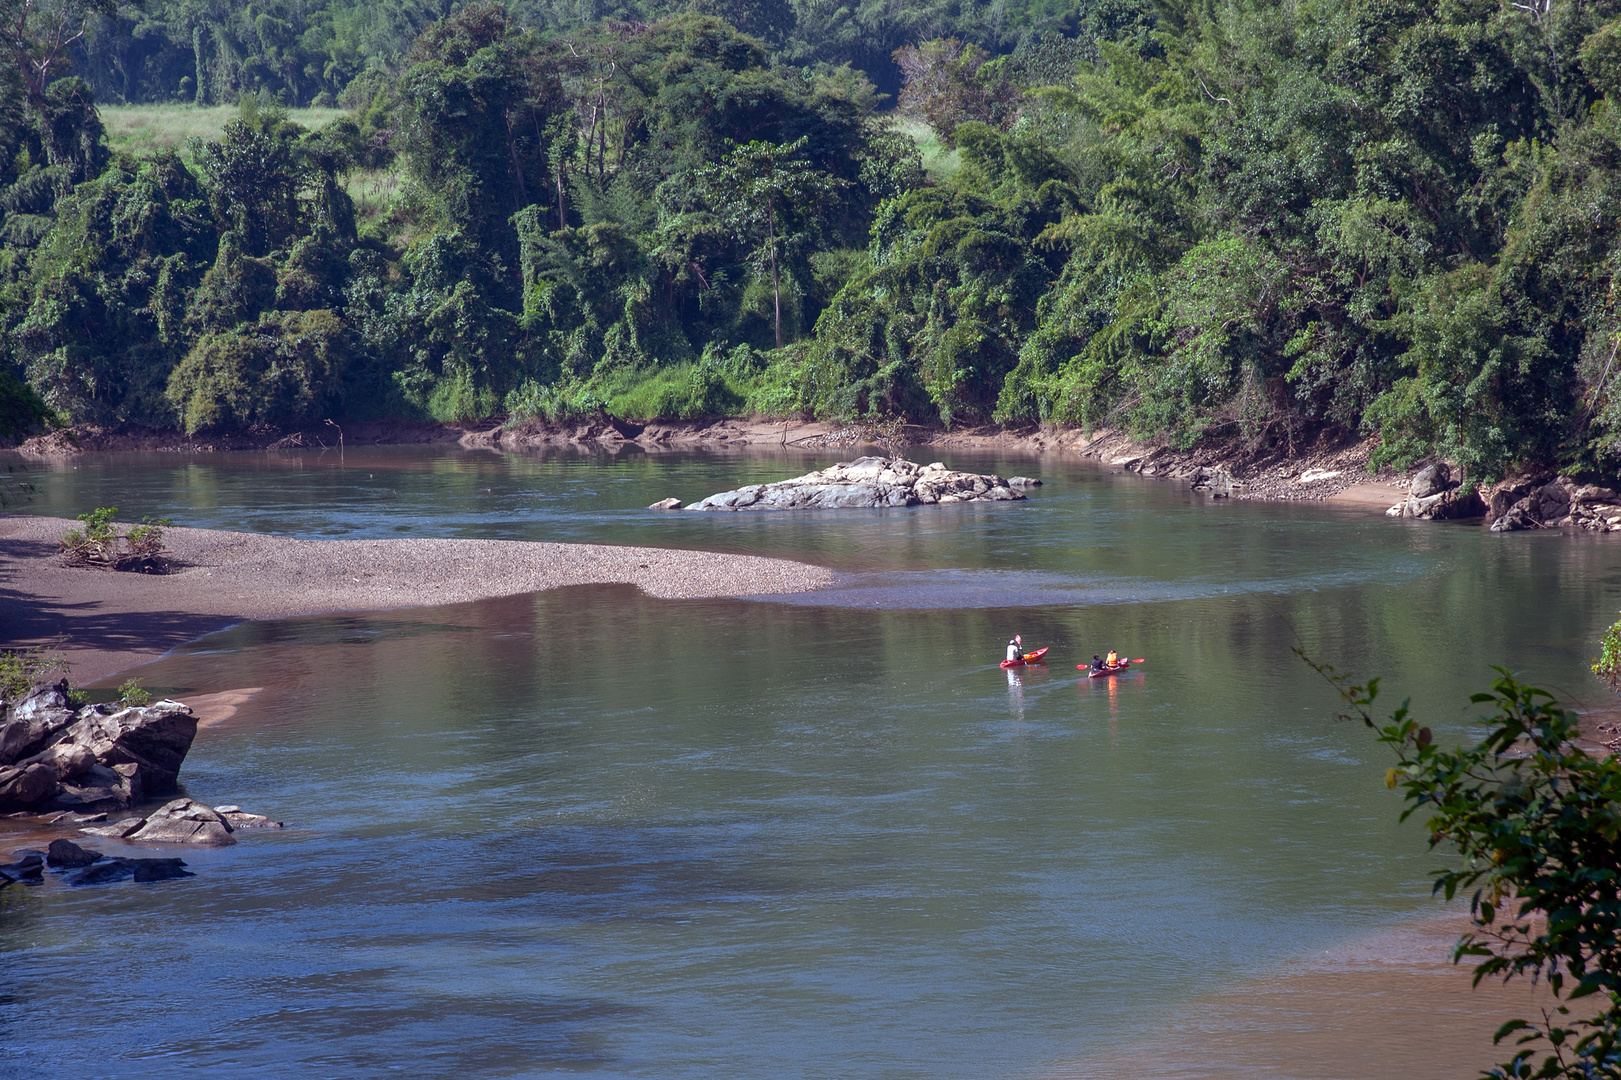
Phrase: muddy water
(590, 831)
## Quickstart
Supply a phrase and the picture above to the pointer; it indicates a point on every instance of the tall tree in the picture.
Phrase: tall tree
(768, 195)
(39, 33)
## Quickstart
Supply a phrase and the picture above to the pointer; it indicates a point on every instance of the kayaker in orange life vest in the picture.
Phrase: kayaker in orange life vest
(1113, 660)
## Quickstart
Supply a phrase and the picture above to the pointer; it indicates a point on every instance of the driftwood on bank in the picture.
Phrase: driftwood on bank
(100, 546)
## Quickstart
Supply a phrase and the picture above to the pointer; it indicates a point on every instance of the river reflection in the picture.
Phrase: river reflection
(592, 831)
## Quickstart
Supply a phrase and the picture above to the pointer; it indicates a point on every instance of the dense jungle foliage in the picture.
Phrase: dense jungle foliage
(1255, 219)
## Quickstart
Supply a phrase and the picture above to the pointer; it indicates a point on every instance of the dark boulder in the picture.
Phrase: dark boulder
(26, 866)
(25, 786)
(103, 872)
(65, 854)
(160, 869)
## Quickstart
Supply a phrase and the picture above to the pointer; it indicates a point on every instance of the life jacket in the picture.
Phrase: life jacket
(1114, 658)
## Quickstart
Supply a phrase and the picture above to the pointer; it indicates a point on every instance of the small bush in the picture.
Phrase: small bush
(682, 392)
(1608, 664)
(22, 669)
(99, 544)
(132, 694)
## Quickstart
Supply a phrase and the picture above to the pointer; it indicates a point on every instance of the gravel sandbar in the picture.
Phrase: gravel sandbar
(106, 621)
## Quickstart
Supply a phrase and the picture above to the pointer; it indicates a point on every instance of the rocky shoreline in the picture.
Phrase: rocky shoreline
(1316, 469)
(1330, 464)
(95, 767)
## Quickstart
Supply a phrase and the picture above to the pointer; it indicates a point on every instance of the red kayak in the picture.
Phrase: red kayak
(1124, 665)
(1037, 657)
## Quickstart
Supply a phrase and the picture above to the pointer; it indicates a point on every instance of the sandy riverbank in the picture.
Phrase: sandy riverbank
(106, 622)
(1387, 1006)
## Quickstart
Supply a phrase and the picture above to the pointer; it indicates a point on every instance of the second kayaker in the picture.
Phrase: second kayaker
(1014, 648)
(1114, 659)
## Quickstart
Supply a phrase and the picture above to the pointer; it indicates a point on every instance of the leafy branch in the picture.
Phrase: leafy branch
(1536, 821)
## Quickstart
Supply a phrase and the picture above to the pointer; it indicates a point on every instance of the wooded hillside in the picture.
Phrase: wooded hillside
(1175, 218)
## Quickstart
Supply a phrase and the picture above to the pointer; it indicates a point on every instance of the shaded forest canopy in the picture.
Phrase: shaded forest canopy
(1169, 216)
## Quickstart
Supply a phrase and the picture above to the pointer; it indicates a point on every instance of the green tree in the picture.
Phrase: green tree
(769, 195)
(1536, 825)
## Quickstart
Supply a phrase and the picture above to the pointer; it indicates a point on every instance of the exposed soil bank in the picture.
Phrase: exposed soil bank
(103, 622)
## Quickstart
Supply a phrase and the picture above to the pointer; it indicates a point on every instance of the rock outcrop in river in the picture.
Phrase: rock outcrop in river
(89, 765)
(93, 759)
(865, 483)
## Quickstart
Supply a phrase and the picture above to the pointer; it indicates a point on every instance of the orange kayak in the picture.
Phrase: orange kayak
(1117, 669)
(1037, 657)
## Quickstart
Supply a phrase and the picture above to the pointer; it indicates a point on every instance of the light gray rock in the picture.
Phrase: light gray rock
(1023, 482)
(28, 725)
(119, 829)
(237, 818)
(866, 483)
(66, 759)
(1215, 481)
(1430, 481)
(1418, 507)
(184, 821)
(666, 504)
(1553, 499)
(154, 738)
(1517, 518)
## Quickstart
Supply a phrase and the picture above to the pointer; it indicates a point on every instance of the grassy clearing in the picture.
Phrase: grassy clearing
(147, 129)
(373, 192)
(938, 161)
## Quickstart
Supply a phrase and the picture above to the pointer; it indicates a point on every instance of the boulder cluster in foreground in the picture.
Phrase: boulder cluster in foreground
(94, 759)
(94, 767)
(865, 483)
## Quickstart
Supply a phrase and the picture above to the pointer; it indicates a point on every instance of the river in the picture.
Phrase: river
(588, 831)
